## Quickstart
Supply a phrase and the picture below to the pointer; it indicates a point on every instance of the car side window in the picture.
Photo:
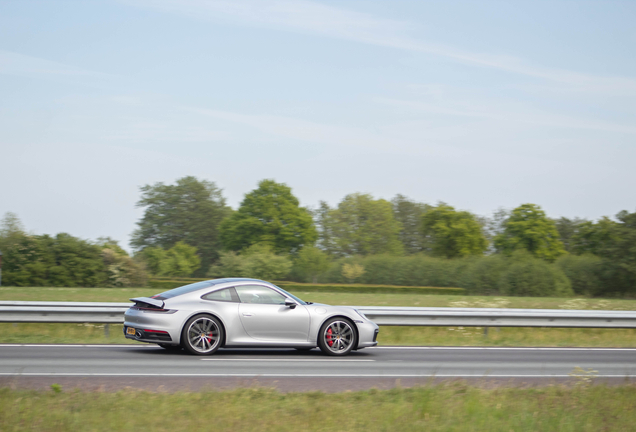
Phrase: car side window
(224, 295)
(256, 294)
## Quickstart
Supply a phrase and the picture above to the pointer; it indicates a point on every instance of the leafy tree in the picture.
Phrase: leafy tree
(409, 214)
(615, 243)
(269, 215)
(494, 225)
(326, 241)
(262, 263)
(451, 233)
(155, 259)
(311, 262)
(528, 228)
(189, 211)
(180, 260)
(121, 269)
(76, 262)
(599, 238)
(11, 229)
(360, 225)
(64, 260)
(568, 229)
(230, 264)
(258, 261)
(25, 261)
(624, 253)
(584, 273)
(352, 271)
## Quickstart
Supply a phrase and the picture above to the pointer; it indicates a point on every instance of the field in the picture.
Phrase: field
(447, 407)
(422, 300)
(436, 336)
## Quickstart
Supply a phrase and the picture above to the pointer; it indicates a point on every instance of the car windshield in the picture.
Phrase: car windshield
(184, 290)
(292, 296)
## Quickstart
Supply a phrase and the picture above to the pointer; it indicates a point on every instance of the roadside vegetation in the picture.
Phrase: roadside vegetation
(187, 230)
(445, 407)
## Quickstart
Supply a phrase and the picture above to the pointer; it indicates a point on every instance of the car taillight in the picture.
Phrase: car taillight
(150, 308)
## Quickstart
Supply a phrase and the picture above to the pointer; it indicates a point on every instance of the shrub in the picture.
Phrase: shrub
(482, 275)
(584, 273)
(258, 261)
(533, 277)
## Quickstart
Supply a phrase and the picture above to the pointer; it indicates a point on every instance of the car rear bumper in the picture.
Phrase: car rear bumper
(153, 327)
(148, 335)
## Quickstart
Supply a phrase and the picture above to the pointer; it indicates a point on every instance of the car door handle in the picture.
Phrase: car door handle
(247, 314)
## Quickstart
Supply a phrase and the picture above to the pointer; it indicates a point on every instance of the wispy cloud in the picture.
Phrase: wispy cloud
(315, 18)
(507, 113)
(338, 137)
(12, 63)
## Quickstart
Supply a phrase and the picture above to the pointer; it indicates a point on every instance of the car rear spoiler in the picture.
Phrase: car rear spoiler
(149, 301)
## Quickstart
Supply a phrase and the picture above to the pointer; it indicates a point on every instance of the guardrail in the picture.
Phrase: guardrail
(113, 313)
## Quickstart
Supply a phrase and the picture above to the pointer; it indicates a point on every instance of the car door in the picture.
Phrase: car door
(265, 317)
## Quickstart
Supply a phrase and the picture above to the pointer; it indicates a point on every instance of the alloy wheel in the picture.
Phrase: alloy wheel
(338, 337)
(203, 335)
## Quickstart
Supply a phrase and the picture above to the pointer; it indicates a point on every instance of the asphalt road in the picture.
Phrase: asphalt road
(148, 366)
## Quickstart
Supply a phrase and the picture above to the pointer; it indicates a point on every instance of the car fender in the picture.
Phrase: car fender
(318, 319)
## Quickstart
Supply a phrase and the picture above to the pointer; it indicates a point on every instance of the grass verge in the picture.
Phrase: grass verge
(423, 336)
(356, 299)
(449, 407)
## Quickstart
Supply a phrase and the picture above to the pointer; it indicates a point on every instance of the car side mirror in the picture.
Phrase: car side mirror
(290, 303)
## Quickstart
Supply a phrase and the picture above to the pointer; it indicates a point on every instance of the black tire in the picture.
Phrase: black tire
(202, 335)
(169, 347)
(337, 337)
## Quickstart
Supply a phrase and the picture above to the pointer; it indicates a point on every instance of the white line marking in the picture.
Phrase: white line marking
(501, 348)
(70, 374)
(75, 346)
(285, 360)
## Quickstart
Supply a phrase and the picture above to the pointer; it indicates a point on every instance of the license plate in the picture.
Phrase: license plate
(130, 331)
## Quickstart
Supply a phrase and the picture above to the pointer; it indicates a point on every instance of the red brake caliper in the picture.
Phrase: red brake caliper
(329, 340)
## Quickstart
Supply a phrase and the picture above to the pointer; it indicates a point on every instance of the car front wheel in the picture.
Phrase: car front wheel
(337, 337)
(202, 335)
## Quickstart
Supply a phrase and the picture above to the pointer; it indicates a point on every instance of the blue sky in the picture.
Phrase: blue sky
(479, 104)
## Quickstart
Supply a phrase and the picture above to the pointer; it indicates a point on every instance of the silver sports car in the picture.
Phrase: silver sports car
(205, 316)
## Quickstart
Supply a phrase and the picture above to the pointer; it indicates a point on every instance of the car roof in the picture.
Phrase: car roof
(203, 285)
(227, 280)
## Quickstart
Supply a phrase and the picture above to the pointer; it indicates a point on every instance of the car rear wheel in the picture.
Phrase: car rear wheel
(202, 335)
(337, 337)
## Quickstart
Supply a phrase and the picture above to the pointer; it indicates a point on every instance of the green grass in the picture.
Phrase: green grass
(448, 407)
(74, 294)
(435, 336)
(62, 333)
(357, 299)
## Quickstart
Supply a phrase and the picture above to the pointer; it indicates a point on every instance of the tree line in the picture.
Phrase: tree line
(187, 229)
